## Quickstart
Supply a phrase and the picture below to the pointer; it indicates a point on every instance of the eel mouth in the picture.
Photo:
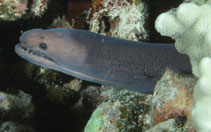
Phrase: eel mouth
(34, 53)
(34, 56)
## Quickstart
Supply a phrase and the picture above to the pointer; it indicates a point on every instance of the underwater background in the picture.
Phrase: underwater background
(36, 99)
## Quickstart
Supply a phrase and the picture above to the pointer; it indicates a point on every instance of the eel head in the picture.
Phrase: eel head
(54, 49)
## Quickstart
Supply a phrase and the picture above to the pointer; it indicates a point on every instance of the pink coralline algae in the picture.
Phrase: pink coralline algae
(173, 98)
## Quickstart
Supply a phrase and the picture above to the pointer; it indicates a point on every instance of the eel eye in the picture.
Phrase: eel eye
(43, 46)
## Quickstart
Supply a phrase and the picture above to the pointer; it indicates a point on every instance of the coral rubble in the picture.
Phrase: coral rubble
(119, 18)
(21, 103)
(15, 108)
(11, 10)
(120, 110)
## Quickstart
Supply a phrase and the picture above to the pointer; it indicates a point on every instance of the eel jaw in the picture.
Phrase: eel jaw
(35, 56)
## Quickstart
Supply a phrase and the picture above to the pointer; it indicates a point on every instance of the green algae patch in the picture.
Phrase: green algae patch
(95, 124)
(104, 118)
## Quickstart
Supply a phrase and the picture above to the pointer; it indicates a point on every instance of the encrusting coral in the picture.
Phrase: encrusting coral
(120, 18)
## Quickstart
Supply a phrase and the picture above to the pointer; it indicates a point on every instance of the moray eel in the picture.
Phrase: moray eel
(100, 59)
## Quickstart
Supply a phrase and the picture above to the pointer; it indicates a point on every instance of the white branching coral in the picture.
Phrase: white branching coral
(201, 111)
(190, 26)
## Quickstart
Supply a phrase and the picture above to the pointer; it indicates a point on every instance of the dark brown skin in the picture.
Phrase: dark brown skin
(96, 58)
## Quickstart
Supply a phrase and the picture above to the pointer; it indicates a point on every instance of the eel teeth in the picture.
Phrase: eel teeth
(29, 51)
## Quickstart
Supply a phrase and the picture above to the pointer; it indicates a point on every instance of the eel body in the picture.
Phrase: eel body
(96, 58)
